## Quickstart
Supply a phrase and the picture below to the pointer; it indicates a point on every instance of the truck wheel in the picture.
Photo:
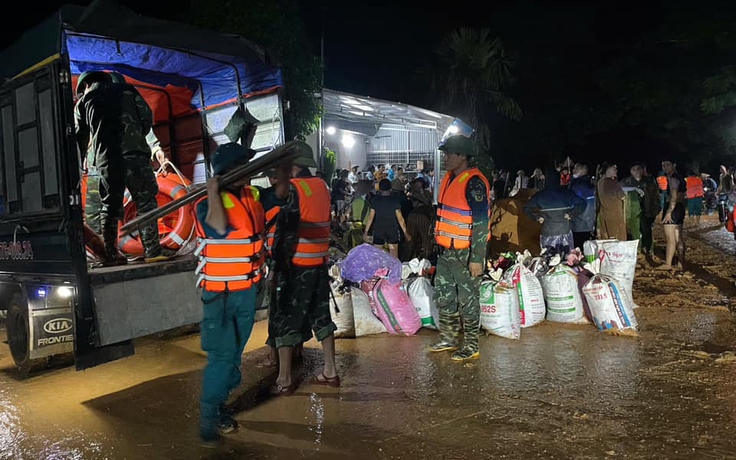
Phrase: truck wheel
(17, 327)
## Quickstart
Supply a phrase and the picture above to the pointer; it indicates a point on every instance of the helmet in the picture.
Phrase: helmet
(117, 77)
(94, 75)
(460, 145)
(229, 155)
(306, 157)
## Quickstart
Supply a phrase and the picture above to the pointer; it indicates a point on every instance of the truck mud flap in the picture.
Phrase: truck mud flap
(94, 356)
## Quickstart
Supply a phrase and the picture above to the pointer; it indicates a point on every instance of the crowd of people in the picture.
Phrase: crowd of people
(382, 206)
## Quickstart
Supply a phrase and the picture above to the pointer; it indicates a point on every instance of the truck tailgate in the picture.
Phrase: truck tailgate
(142, 299)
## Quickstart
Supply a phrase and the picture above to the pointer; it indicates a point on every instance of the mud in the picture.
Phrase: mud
(566, 392)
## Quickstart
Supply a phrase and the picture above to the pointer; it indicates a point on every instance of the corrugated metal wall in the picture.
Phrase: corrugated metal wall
(397, 144)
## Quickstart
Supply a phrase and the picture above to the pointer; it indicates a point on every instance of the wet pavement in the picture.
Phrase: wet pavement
(566, 392)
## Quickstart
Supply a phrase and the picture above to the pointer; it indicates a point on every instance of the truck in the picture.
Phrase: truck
(194, 80)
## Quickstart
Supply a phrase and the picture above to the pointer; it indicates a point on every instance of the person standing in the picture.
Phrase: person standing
(386, 219)
(230, 226)
(555, 207)
(694, 194)
(302, 285)
(538, 180)
(462, 232)
(522, 181)
(583, 225)
(611, 218)
(673, 217)
(118, 120)
(635, 188)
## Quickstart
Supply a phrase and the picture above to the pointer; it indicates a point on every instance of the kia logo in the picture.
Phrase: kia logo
(57, 326)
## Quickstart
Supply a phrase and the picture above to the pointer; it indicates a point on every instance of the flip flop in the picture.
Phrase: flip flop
(322, 379)
(278, 390)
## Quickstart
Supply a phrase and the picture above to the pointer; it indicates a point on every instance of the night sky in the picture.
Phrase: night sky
(376, 50)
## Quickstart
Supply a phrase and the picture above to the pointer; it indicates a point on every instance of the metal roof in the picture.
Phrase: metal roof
(363, 111)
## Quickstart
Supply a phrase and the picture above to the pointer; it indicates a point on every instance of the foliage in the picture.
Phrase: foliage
(329, 160)
(474, 72)
(276, 25)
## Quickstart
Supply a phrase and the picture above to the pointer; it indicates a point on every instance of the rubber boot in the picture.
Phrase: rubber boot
(113, 256)
(470, 348)
(449, 332)
(153, 250)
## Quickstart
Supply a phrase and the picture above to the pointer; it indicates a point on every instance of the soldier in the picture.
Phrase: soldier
(302, 290)
(93, 205)
(118, 120)
(461, 231)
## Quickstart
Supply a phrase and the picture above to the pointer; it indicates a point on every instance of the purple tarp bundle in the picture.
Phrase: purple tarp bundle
(362, 263)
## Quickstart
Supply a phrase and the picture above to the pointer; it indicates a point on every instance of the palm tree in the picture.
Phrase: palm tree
(475, 72)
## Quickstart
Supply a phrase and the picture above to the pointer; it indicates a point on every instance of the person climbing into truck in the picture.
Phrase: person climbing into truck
(118, 119)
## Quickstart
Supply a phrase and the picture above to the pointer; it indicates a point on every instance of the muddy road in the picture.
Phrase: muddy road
(566, 392)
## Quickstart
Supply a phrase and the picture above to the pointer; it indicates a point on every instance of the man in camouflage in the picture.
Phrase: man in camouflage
(300, 294)
(459, 271)
(93, 206)
(118, 120)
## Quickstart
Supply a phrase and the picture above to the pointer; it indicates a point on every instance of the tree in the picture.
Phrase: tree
(473, 74)
(276, 25)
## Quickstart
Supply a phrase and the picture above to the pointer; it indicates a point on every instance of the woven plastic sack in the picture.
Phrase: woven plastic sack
(364, 261)
(499, 309)
(421, 294)
(366, 323)
(341, 310)
(529, 290)
(610, 305)
(618, 260)
(562, 295)
(394, 308)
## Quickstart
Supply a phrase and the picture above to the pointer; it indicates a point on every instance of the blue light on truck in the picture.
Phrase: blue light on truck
(41, 293)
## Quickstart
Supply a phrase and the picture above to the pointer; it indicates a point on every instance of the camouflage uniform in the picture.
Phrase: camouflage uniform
(457, 293)
(93, 206)
(117, 117)
(299, 295)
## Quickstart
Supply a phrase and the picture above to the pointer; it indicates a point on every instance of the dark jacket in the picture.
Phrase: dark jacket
(583, 187)
(552, 204)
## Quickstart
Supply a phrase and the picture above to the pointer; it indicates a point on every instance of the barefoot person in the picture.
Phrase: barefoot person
(673, 216)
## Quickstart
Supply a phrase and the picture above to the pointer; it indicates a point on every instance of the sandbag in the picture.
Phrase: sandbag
(610, 305)
(421, 294)
(562, 295)
(590, 249)
(394, 308)
(365, 321)
(341, 310)
(529, 291)
(583, 279)
(499, 309)
(618, 260)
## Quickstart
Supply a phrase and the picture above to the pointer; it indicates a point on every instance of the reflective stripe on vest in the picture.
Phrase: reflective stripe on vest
(313, 242)
(663, 183)
(694, 187)
(454, 225)
(233, 263)
(271, 230)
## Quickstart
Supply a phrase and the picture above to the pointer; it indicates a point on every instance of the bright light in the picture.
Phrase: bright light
(348, 141)
(65, 292)
(331, 130)
(41, 293)
(453, 129)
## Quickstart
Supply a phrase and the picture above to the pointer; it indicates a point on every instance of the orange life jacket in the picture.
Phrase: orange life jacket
(313, 244)
(271, 229)
(694, 187)
(233, 263)
(663, 183)
(454, 225)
